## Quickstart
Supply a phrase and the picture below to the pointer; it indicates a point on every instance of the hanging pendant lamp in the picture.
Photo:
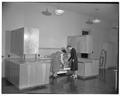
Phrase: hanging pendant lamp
(46, 13)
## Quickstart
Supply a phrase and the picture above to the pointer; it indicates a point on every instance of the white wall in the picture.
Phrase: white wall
(114, 38)
(53, 29)
(12, 18)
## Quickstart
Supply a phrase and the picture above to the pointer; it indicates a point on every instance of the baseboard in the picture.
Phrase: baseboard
(87, 77)
(113, 67)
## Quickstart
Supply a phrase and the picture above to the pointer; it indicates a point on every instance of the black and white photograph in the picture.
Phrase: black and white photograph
(60, 48)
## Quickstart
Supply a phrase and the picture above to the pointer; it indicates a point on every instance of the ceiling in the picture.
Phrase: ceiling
(105, 11)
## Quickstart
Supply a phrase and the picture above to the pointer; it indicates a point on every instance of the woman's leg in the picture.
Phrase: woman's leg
(76, 70)
(55, 74)
(75, 74)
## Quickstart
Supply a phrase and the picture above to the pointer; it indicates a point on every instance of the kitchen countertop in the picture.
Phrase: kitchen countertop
(89, 60)
(27, 61)
(45, 60)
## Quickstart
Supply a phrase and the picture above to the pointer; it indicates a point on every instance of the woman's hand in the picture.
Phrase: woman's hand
(73, 60)
(61, 65)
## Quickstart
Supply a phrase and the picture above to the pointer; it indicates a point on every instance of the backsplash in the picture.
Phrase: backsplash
(46, 52)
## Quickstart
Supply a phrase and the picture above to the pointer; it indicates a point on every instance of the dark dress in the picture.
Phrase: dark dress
(73, 60)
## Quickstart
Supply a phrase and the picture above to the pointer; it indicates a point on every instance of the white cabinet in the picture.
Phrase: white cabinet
(82, 44)
(24, 41)
(88, 68)
(25, 74)
(31, 41)
(86, 44)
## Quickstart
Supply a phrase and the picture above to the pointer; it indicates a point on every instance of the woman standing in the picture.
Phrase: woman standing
(74, 61)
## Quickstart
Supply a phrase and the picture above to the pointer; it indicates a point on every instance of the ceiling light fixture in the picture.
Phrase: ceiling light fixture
(96, 19)
(59, 11)
(89, 21)
(46, 13)
(93, 19)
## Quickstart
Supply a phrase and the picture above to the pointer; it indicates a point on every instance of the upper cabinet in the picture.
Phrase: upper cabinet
(82, 44)
(24, 41)
(31, 41)
(86, 44)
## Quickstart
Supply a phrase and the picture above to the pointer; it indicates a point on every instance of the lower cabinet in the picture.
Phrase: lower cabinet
(27, 74)
(88, 68)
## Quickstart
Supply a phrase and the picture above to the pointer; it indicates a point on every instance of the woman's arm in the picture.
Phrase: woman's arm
(73, 55)
(62, 61)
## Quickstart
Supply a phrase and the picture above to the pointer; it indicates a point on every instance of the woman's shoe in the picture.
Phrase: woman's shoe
(72, 76)
(75, 76)
(55, 75)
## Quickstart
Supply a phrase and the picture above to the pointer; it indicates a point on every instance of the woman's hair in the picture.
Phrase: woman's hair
(63, 50)
(69, 46)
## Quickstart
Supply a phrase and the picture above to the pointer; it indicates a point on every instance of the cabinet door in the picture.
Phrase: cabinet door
(16, 46)
(31, 41)
(89, 44)
(86, 45)
(83, 45)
